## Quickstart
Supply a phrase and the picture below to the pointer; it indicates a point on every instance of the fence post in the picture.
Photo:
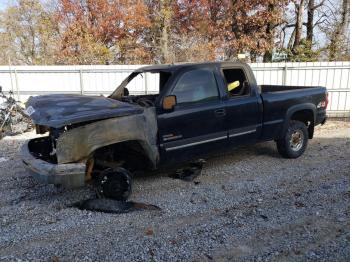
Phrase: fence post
(10, 70)
(17, 86)
(81, 81)
(146, 83)
(285, 71)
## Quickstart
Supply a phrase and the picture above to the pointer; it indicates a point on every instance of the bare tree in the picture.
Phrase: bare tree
(300, 8)
(270, 31)
(311, 24)
(338, 38)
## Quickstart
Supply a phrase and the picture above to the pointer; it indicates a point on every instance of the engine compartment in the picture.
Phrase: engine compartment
(43, 148)
(141, 100)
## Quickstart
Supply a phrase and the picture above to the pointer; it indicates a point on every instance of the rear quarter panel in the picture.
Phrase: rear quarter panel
(280, 105)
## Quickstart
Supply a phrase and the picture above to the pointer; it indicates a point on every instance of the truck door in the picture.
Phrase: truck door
(243, 107)
(197, 123)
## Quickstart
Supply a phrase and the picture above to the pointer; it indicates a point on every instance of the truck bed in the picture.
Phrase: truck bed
(279, 100)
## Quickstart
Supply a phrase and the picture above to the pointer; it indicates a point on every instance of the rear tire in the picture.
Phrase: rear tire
(116, 183)
(294, 142)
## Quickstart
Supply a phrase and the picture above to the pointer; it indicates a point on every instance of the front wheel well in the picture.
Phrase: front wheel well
(128, 154)
(307, 117)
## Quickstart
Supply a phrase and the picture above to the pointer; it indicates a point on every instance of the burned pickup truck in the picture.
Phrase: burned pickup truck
(200, 109)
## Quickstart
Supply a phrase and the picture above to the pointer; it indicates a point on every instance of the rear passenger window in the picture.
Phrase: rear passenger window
(236, 81)
(196, 86)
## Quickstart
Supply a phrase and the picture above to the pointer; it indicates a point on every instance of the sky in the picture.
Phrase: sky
(6, 3)
(3, 4)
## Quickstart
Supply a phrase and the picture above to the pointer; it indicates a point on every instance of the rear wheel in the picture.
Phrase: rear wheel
(116, 183)
(294, 142)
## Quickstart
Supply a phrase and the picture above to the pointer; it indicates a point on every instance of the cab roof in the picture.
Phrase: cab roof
(177, 66)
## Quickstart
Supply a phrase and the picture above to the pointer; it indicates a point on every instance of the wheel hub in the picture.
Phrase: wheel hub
(296, 140)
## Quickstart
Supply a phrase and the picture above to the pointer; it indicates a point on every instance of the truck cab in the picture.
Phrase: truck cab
(205, 116)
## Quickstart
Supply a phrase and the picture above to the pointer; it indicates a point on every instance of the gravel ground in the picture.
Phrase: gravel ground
(251, 205)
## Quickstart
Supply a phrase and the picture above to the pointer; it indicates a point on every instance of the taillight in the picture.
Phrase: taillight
(324, 103)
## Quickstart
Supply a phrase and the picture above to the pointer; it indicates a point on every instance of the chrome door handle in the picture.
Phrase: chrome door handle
(220, 112)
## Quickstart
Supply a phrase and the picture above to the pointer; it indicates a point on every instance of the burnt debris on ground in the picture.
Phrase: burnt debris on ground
(107, 205)
(190, 172)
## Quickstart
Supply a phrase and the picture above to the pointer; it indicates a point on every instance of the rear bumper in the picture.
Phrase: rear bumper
(67, 175)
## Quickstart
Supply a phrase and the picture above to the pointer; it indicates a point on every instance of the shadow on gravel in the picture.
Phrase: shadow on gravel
(267, 149)
(106, 205)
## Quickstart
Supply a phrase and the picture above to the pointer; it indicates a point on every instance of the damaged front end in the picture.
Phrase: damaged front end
(40, 158)
(37, 157)
(78, 129)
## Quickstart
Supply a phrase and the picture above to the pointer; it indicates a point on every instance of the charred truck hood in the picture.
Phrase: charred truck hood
(65, 109)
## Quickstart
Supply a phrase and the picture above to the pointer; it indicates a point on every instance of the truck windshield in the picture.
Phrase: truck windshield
(141, 83)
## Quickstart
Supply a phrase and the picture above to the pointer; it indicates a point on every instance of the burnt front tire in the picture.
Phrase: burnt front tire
(116, 183)
(294, 142)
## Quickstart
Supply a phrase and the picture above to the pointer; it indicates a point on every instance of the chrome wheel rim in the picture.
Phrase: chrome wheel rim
(296, 141)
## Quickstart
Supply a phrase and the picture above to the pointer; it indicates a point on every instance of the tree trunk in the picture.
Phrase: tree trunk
(166, 13)
(337, 44)
(165, 44)
(299, 24)
(291, 39)
(270, 32)
(310, 21)
(345, 17)
(346, 14)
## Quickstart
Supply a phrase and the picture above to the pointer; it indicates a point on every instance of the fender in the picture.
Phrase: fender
(77, 144)
(296, 108)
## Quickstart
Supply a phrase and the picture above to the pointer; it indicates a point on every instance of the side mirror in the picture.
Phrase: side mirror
(125, 91)
(0, 88)
(169, 102)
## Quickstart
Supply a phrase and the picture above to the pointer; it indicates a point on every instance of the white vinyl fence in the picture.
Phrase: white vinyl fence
(26, 81)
